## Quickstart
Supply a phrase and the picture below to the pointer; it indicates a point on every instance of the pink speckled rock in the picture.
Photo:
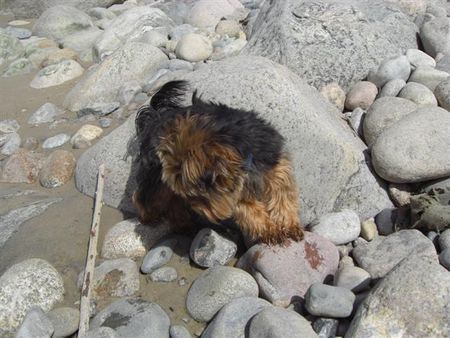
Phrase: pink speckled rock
(285, 273)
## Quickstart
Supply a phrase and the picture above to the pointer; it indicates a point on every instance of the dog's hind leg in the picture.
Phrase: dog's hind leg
(281, 200)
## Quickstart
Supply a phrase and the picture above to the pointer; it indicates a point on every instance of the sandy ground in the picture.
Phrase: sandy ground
(60, 235)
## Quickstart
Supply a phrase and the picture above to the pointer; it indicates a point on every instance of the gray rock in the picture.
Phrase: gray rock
(164, 274)
(11, 145)
(194, 47)
(352, 278)
(179, 31)
(392, 88)
(444, 240)
(232, 319)
(340, 227)
(135, 318)
(444, 258)
(65, 321)
(12, 220)
(11, 47)
(274, 322)
(391, 154)
(129, 26)
(356, 121)
(216, 287)
(444, 64)
(384, 113)
(87, 132)
(128, 91)
(134, 61)
(284, 273)
(442, 93)
(45, 114)
(326, 327)
(428, 76)
(105, 122)
(352, 186)
(329, 301)
(206, 14)
(209, 248)
(19, 67)
(57, 74)
(35, 325)
(60, 21)
(434, 34)
(102, 332)
(9, 126)
(382, 254)
(57, 169)
(341, 29)
(418, 58)
(418, 93)
(385, 221)
(154, 38)
(20, 33)
(55, 141)
(179, 331)
(156, 258)
(24, 285)
(22, 167)
(83, 42)
(174, 65)
(114, 278)
(391, 69)
(101, 13)
(361, 95)
(412, 300)
(132, 239)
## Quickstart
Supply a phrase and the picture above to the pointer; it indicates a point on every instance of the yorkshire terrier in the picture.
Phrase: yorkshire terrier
(217, 162)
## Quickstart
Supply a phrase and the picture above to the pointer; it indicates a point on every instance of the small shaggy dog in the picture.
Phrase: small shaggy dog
(217, 162)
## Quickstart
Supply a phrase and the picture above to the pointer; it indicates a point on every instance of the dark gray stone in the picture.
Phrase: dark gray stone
(329, 301)
(326, 327)
(156, 258)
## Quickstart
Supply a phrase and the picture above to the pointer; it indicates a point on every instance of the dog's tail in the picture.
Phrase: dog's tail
(171, 95)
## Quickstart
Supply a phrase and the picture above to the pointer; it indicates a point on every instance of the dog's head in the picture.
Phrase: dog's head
(207, 173)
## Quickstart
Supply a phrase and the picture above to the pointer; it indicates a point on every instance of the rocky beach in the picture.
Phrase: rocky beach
(360, 90)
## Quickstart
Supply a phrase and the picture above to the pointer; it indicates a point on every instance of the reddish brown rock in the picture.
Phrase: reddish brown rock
(57, 169)
(285, 273)
(22, 167)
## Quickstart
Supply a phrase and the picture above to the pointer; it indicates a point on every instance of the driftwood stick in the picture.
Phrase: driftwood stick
(92, 254)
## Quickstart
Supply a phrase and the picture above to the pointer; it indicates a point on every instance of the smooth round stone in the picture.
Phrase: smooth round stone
(340, 227)
(442, 93)
(428, 76)
(352, 278)
(392, 88)
(57, 74)
(35, 324)
(393, 159)
(210, 248)
(134, 317)
(369, 230)
(55, 141)
(418, 93)
(57, 169)
(22, 167)
(444, 258)
(179, 331)
(20, 33)
(164, 274)
(102, 332)
(334, 94)
(396, 68)
(65, 321)
(233, 318)
(444, 240)
(45, 114)
(443, 63)
(156, 258)
(434, 35)
(24, 285)
(383, 113)
(9, 126)
(194, 47)
(87, 132)
(329, 301)
(362, 94)
(279, 322)
(11, 144)
(230, 28)
(418, 58)
(216, 287)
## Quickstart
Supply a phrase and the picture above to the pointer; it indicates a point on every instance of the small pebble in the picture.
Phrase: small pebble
(65, 320)
(392, 88)
(329, 301)
(87, 132)
(55, 141)
(194, 47)
(362, 94)
(11, 145)
(156, 258)
(164, 274)
(339, 227)
(326, 327)
(396, 68)
(400, 193)
(418, 93)
(334, 94)
(385, 221)
(105, 122)
(182, 281)
(352, 278)
(444, 258)
(45, 114)
(369, 229)
(444, 239)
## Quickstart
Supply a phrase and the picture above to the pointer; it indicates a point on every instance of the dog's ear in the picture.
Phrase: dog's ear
(170, 95)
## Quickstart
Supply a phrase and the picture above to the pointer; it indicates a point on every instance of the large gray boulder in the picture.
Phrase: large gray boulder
(411, 301)
(331, 41)
(60, 21)
(328, 159)
(101, 85)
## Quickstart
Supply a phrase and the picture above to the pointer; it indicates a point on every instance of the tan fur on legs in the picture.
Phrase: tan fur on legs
(281, 199)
